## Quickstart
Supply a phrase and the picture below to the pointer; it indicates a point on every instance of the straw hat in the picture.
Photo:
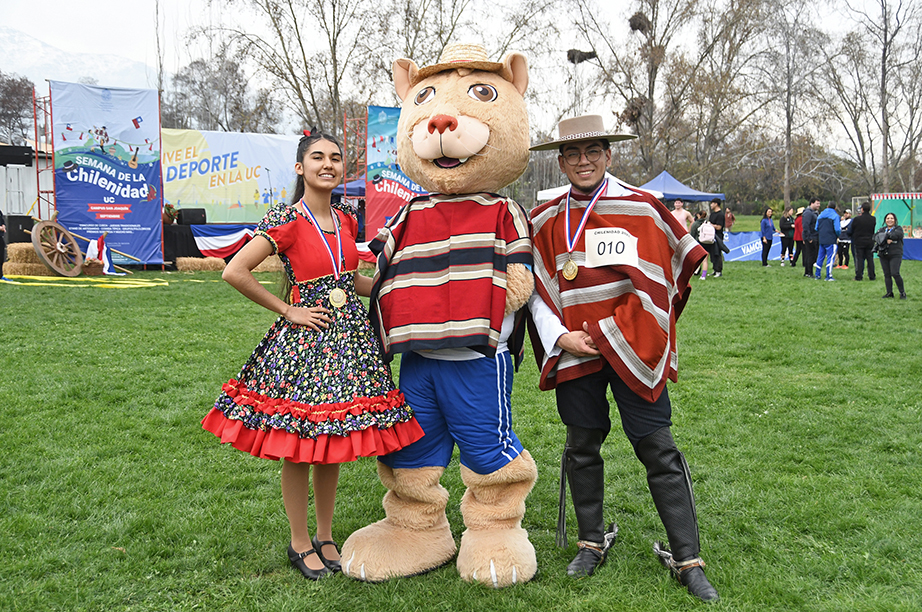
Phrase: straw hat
(578, 129)
(460, 55)
(800, 210)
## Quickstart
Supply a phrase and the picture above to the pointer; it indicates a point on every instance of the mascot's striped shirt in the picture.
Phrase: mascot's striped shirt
(441, 275)
(631, 306)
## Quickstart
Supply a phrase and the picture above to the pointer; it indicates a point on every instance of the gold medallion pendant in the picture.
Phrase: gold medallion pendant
(337, 298)
(570, 270)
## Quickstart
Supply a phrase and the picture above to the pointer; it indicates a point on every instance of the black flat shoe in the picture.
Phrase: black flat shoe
(331, 564)
(297, 561)
(887, 295)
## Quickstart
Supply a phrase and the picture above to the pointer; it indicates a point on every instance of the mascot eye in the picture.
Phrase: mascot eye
(482, 93)
(425, 95)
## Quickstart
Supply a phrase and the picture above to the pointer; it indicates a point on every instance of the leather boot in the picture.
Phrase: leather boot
(670, 485)
(585, 469)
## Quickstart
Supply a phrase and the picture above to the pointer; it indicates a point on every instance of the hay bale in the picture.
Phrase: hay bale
(22, 252)
(13, 268)
(92, 267)
(269, 264)
(199, 264)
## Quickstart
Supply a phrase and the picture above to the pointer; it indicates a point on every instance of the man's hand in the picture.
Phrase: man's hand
(578, 343)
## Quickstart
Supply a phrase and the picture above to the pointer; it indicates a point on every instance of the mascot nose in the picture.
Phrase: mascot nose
(442, 123)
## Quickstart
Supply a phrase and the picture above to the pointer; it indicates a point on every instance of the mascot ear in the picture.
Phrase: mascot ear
(515, 70)
(405, 72)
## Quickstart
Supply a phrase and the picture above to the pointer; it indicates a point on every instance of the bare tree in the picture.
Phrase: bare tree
(794, 62)
(726, 94)
(633, 75)
(894, 21)
(15, 108)
(214, 95)
(308, 47)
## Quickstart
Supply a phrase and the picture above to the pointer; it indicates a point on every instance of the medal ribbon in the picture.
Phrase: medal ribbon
(571, 243)
(337, 263)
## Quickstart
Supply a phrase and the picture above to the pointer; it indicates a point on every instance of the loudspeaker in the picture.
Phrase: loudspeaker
(16, 226)
(191, 216)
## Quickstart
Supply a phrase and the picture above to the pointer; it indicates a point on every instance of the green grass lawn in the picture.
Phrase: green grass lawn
(797, 406)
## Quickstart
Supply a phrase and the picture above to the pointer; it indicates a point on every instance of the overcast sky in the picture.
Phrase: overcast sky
(119, 27)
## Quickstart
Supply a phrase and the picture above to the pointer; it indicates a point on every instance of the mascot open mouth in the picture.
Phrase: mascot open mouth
(449, 162)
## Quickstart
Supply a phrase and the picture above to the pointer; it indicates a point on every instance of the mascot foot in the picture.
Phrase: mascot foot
(495, 549)
(413, 538)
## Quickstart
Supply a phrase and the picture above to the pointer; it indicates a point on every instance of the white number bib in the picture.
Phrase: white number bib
(610, 246)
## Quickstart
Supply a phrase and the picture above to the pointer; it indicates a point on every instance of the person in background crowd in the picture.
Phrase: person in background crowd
(682, 216)
(888, 241)
(844, 246)
(862, 228)
(767, 228)
(718, 219)
(786, 225)
(700, 217)
(730, 219)
(811, 238)
(827, 230)
(798, 234)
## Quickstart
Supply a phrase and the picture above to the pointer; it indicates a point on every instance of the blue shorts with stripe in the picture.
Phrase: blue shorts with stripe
(463, 402)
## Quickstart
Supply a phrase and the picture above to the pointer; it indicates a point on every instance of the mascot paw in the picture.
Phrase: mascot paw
(382, 551)
(497, 557)
(519, 284)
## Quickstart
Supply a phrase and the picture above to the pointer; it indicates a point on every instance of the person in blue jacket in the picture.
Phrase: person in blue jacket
(828, 229)
(768, 231)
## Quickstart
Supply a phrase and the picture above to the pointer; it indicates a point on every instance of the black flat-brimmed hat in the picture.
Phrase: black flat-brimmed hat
(578, 129)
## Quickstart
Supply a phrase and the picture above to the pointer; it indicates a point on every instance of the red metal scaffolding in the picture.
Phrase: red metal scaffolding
(44, 153)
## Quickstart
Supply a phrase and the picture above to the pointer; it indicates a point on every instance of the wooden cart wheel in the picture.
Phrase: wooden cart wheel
(57, 248)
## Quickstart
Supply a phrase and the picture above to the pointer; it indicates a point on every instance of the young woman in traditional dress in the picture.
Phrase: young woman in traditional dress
(315, 392)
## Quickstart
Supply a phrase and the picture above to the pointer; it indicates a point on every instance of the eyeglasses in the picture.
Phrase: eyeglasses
(592, 155)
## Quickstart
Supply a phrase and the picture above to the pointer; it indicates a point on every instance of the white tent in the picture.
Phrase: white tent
(553, 192)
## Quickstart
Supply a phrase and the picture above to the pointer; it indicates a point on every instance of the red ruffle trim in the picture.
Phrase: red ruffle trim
(317, 413)
(276, 444)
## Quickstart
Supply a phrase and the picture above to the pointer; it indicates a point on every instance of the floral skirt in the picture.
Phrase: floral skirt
(315, 396)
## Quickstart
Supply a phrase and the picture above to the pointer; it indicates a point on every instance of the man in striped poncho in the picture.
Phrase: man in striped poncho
(611, 276)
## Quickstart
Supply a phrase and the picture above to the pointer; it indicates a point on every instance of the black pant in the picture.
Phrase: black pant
(766, 247)
(787, 246)
(717, 257)
(863, 254)
(798, 247)
(811, 250)
(582, 402)
(843, 252)
(891, 268)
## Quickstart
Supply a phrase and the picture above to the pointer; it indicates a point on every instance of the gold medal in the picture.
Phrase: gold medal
(337, 298)
(570, 270)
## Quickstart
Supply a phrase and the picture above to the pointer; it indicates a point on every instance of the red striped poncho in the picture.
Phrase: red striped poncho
(441, 275)
(631, 310)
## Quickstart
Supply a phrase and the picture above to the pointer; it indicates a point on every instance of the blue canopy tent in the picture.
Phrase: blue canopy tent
(672, 189)
(354, 189)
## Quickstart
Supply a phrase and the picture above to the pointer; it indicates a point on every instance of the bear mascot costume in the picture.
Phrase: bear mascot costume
(454, 267)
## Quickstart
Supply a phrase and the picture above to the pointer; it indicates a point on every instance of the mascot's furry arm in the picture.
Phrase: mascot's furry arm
(520, 282)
